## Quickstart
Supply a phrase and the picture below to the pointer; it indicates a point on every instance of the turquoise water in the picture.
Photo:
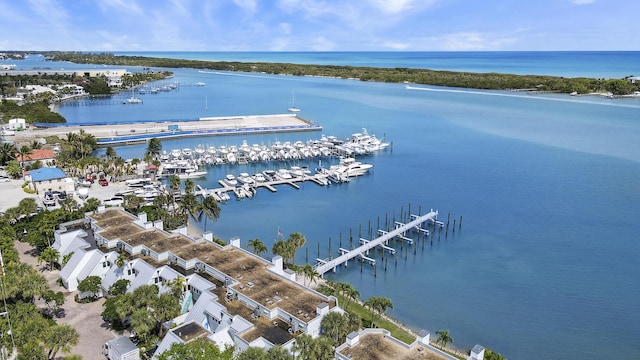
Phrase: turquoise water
(545, 265)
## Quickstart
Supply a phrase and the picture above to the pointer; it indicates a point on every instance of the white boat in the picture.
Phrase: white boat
(284, 174)
(296, 171)
(245, 178)
(133, 99)
(186, 152)
(230, 180)
(200, 83)
(293, 107)
(259, 177)
(192, 174)
(176, 153)
(350, 167)
(199, 150)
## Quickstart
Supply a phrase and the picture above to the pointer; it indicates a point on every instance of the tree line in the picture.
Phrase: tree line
(488, 81)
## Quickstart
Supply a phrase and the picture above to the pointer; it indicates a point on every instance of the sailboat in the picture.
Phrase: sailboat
(293, 107)
(133, 99)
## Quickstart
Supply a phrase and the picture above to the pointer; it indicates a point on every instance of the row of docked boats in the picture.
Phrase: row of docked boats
(326, 146)
(244, 185)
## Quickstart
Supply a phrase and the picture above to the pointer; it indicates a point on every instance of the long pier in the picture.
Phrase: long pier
(327, 265)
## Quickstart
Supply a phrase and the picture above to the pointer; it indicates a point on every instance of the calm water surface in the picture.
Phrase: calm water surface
(545, 265)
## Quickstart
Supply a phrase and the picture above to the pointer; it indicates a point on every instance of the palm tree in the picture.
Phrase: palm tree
(121, 260)
(49, 255)
(333, 325)
(110, 153)
(297, 240)
(165, 307)
(154, 147)
(60, 338)
(284, 249)
(443, 338)
(304, 346)
(257, 246)
(209, 208)
(174, 185)
(310, 274)
(24, 150)
(382, 304)
(350, 293)
(8, 152)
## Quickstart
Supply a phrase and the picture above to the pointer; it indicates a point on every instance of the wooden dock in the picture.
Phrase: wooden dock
(269, 185)
(324, 266)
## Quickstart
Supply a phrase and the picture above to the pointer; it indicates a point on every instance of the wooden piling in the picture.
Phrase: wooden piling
(460, 226)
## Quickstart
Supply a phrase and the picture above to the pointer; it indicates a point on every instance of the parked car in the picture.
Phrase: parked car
(103, 182)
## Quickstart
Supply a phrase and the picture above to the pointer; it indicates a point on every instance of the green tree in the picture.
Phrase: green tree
(53, 300)
(278, 353)
(334, 325)
(443, 338)
(13, 169)
(60, 338)
(119, 287)
(166, 307)
(304, 346)
(257, 246)
(8, 152)
(208, 207)
(284, 249)
(310, 274)
(24, 151)
(143, 323)
(199, 349)
(154, 148)
(252, 353)
(49, 255)
(91, 285)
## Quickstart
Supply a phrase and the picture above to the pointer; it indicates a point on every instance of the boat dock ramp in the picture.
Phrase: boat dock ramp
(400, 231)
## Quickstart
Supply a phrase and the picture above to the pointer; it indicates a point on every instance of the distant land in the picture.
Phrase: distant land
(487, 81)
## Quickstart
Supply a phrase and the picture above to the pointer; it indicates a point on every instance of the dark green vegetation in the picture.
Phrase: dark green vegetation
(492, 81)
(37, 111)
(34, 331)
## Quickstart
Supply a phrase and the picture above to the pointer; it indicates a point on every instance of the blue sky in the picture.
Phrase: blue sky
(319, 25)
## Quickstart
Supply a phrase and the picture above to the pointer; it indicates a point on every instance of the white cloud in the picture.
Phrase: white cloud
(393, 6)
(285, 28)
(322, 44)
(466, 41)
(583, 2)
(123, 6)
(394, 45)
(249, 6)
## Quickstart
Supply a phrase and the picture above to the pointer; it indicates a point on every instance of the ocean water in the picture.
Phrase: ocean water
(545, 264)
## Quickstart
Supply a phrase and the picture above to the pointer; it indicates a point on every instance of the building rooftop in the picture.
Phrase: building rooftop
(252, 274)
(380, 347)
(46, 173)
(190, 331)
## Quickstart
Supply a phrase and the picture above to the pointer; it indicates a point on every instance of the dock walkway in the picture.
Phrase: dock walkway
(326, 266)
